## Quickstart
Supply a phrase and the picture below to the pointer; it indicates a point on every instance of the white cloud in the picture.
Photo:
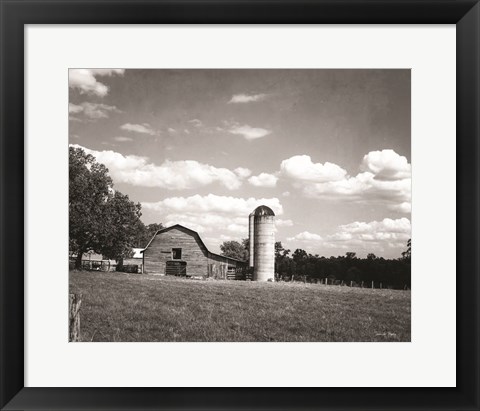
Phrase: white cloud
(171, 130)
(286, 194)
(385, 180)
(303, 168)
(379, 237)
(122, 139)
(283, 223)
(247, 98)
(242, 172)
(211, 213)
(365, 188)
(85, 80)
(388, 232)
(92, 111)
(249, 133)
(172, 175)
(405, 207)
(306, 236)
(387, 225)
(73, 108)
(196, 122)
(386, 165)
(207, 223)
(211, 203)
(213, 243)
(263, 180)
(144, 128)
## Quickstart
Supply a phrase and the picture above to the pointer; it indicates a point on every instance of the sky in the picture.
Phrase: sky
(327, 150)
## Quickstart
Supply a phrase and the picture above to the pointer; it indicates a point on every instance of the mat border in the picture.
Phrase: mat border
(15, 14)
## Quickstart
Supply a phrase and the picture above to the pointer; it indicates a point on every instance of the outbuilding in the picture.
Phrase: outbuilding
(179, 251)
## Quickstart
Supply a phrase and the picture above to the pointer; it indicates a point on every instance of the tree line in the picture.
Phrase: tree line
(347, 269)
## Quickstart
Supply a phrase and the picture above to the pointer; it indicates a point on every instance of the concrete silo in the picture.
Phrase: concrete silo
(250, 240)
(264, 244)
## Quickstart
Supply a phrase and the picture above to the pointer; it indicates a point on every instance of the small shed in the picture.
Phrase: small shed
(179, 251)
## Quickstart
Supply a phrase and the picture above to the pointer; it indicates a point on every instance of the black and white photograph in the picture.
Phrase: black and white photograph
(239, 205)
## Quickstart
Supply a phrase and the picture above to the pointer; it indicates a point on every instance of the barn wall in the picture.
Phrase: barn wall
(160, 250)
(134, 261)
(218, 268)
(129, 261)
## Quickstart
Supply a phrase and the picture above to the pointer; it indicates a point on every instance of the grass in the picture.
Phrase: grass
(133, 307)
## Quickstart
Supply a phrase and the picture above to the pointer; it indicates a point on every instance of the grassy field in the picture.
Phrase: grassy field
(132, 307)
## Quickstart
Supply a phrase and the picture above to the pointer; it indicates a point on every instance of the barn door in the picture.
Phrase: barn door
(178, 268)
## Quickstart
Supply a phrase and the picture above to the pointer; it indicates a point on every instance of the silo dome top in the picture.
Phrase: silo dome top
(263, 210)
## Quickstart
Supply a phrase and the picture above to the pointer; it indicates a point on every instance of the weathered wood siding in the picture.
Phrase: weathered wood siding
(223, 268)
(217, 267)
(130, 261)
(160, 250)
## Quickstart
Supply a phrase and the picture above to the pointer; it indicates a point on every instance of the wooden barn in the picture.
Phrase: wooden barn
(179, 251)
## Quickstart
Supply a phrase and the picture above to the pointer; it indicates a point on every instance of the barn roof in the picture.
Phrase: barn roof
(194, 234)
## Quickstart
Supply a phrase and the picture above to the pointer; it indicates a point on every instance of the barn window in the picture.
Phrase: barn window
(176, 253)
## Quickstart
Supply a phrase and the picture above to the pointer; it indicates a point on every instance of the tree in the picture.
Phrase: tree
(407, 255)
(246, 246)
(100, 219)
(280, 252)
(120, 226)
(353, 274)
(282, 261)
(299, 255)
(145, 233)
(350, 255)
(233, 249)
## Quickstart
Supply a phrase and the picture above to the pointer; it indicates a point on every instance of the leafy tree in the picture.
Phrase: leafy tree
(371, 256)
(100, 219)
(353, 274)
(145, 233)
(350, 255)
(280, 252)
(299, 255)
(151, 231)
(246, 246)
(120, 226)
(283, 264)
(233, 249)
(407, 255)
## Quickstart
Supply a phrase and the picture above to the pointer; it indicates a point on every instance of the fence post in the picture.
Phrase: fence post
(373, 285)
(326, 281)
(351, 283)
(74, 317)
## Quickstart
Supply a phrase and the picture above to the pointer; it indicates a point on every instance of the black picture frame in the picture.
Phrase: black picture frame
(15, 14)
